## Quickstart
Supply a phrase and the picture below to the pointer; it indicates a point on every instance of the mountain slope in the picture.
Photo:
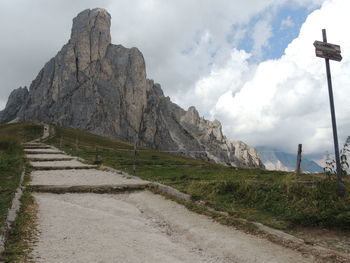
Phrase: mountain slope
(96, 86)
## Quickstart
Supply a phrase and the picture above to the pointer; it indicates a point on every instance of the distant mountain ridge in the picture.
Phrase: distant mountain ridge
(278, 160)
(96, 86)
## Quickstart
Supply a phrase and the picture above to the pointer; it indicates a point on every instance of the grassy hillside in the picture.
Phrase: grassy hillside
(278, 199)
(21, 132)
(12, 160)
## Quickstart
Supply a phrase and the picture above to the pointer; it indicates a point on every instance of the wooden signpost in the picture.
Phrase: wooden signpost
(331, 51)
(327, 50)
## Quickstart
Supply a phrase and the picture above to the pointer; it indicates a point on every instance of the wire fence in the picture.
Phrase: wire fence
(140, 156)
(137, 156)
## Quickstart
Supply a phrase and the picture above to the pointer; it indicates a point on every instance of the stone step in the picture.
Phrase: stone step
(33, 144)
(61, 165)
(47, 159)
(72, 167)
(60, 189)
(91, 177)
(37, 147)
(42, 151)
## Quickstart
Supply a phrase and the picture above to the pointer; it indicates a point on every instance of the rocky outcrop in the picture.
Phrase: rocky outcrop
(15, 101)
(102, 88)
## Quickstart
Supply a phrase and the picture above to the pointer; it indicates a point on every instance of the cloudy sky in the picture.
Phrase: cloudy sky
(250, 64)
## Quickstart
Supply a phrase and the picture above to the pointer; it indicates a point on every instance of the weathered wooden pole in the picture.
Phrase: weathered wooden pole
(76, 144)
(341, 188)
(297, 169)
(134, 161)
(331, 51)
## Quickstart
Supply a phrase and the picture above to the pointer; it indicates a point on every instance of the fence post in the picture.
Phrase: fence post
(76, 144)
(134, 161)
(97, 157)
(297, 169)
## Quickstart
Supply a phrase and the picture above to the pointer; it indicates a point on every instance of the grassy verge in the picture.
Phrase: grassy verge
(12, 163)
(11, 167)
(277, 199)
(18, 245)
(21, 132)
(12, 160)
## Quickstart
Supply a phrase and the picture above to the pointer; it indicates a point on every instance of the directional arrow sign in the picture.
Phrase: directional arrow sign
(327, 54)
(324, 46)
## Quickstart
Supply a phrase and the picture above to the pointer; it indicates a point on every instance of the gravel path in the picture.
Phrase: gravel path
(80, 177)
(48, 156)
(40, 151)
(141, 227)
(134, 227)
(61, 164)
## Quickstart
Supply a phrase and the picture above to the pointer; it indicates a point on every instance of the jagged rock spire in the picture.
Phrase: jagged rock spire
(91, 35)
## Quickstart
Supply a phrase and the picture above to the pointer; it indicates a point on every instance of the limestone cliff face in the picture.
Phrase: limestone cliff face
(14, 103)
(102, 88)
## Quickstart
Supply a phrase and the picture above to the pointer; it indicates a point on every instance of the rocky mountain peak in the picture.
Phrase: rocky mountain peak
(96, 86)
(13, 105)
(91, 35)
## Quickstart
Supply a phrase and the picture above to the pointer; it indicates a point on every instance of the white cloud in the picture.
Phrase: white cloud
(262, 32)
(286, 100)
(287, 23)
(230, 77)
(163, 29)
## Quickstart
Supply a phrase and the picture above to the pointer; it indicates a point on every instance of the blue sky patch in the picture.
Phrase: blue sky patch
(286, 24)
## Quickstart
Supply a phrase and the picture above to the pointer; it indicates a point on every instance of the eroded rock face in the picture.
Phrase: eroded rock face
(102, 88)
(14, 103)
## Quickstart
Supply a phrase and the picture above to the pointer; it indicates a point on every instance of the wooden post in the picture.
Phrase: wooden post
(297, 169)
(97, 157)
(341, 187)
(134, 161)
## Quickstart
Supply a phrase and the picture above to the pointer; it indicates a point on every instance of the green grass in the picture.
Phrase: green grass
(277, 199)
(12, 161)
(21, 132)
(19, 243)
(11, 166)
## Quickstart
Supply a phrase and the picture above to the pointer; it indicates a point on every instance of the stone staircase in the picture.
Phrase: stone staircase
(55, 171)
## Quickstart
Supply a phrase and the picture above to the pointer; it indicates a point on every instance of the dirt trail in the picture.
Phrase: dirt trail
(141, 227)
(133, 227)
